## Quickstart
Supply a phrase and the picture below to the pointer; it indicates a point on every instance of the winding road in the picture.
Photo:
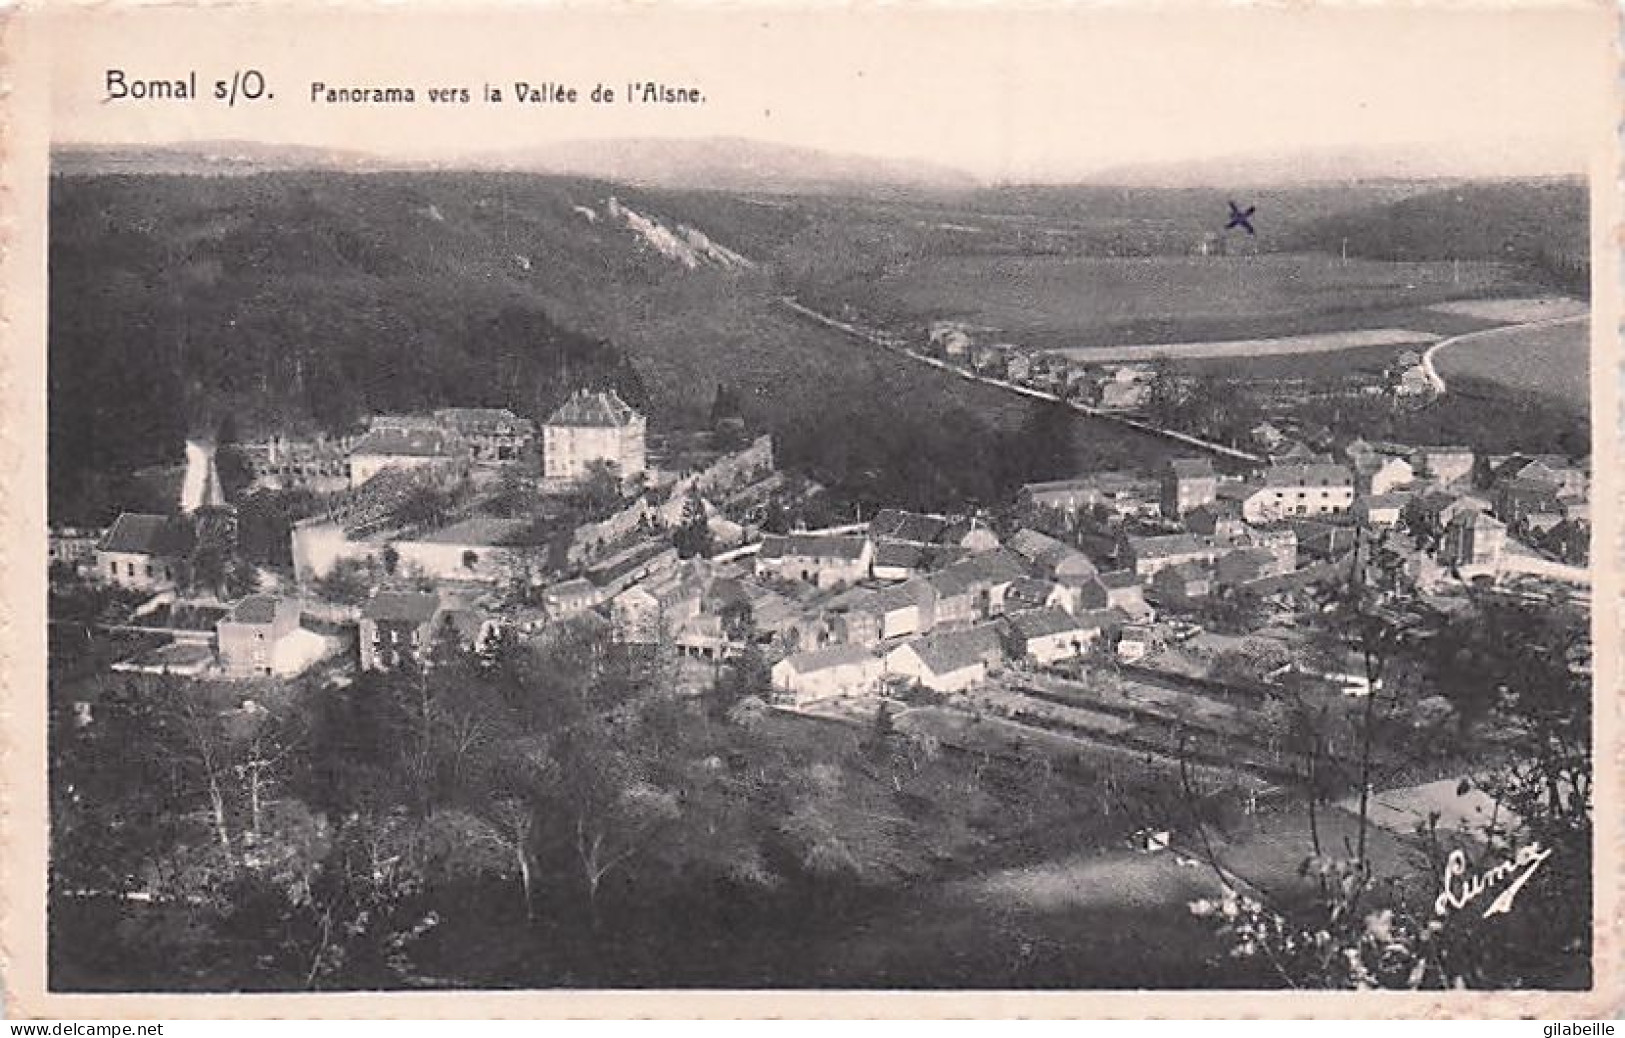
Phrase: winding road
(1432, 372)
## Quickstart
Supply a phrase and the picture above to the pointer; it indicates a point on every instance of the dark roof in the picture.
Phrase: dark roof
(138, 533)
(1307, 475)
(1225, 506)
(1035, 546)
(468, 623)
(570, 588)
(413, 443)
(1029, 589)
(954, 533)
(408, 606)
(1534, 484)
(906, 526)
(891, 553)
(909, 593)
(1474, 518)
(1100, 619)
(992, 567)
(1167, 545)
(594, 409)
(624, 562)
(814, 546)
(948, 651)
(1260, 557)
(1038, 623)
(255, 609)
(1186, 571)
(1119, 579)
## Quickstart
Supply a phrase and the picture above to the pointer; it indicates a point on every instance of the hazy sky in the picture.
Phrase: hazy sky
(1034, 94)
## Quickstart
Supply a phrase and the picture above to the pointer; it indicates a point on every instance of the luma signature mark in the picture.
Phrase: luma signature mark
(1461, 888)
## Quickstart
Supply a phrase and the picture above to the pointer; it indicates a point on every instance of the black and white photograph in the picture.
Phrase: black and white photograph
(1069, 499)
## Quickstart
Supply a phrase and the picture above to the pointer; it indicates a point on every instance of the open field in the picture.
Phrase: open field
(1552, 361)
(1070, 301)
(1515, 311)
(1284, 345)
(1368, 360)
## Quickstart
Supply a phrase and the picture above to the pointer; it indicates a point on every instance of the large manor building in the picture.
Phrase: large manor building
(593, 427)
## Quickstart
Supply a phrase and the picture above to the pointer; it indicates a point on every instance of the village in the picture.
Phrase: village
(1111, 612)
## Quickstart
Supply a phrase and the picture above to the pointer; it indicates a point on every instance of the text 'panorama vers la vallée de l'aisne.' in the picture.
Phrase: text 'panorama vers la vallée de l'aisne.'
(252, 84)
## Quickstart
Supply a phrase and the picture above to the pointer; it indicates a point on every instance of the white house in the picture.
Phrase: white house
(835, 671)
(1049, 635)
(948, 661)
(143, 551)
(1306, 489)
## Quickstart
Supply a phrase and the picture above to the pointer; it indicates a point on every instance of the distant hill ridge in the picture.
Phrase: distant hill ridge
(711, 163)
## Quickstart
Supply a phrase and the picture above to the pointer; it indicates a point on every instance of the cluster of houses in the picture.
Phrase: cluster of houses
(1124, 387)
(944, 604)
(939, 602)
(1118, 387)
(590, 427)
(446, 574)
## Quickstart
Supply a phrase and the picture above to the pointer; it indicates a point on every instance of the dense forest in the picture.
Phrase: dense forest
(1544, 226)
(305, 301)
(534, 815)
(268, 307)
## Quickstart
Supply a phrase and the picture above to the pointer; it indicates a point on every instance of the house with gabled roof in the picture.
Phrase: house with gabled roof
(912, 527)
(1048, 556)
(835, 671)
(1182, 583)
(590, 428)
(1298, 489)
(1381, 510)
(397, 627)
(1221, 518)
(968, 535)
(492, 433)
(1187, 484)
(1443, 465)
(948, 661)
(1119, 590)
(899, 560)
(571, 597)
(1048, 636)
(1033, 593)
(1473, 539)
(429, 450)
(1245, 565)
(144, 551)
(1148, 555)
(823, 560)
(1567, 477)
(974, 588)
(248, 636)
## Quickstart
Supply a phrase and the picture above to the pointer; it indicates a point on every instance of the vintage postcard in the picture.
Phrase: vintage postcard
(601, 509)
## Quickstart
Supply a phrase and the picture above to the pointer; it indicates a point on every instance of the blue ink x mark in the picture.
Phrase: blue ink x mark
(1241, 218)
